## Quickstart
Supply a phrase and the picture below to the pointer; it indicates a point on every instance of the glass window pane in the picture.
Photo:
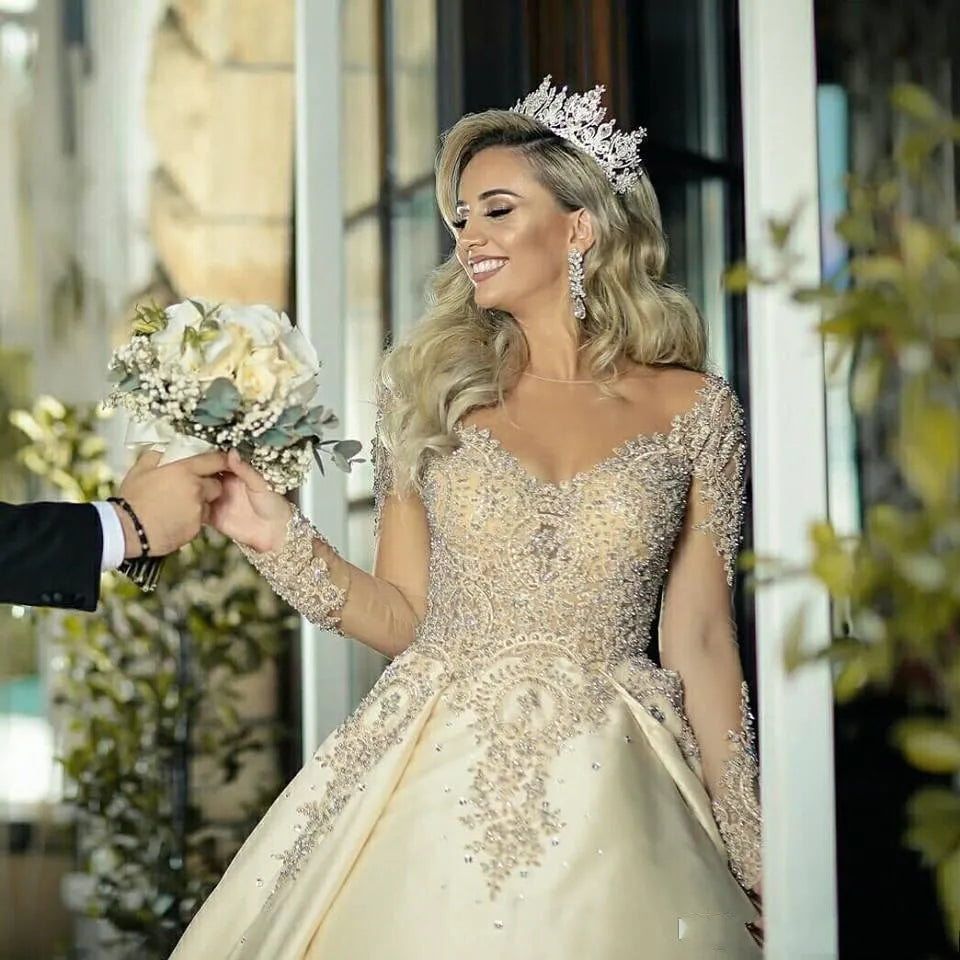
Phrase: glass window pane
(414, 83)
(833, 149)
(679, 73)
(361, 132)
(695, 221)
(416, 250)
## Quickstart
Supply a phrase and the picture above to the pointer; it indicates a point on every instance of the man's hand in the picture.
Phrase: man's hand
(171, 501)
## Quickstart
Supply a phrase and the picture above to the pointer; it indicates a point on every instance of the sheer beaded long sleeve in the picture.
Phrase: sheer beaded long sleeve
(698, 635)
(382, 609)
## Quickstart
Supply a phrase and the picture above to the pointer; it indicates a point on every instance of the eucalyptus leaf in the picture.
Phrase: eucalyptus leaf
(275, 438)
(129, 383)
(318, 460)
(291, 416)
(221, 399)
(205, 419)
(347, 449)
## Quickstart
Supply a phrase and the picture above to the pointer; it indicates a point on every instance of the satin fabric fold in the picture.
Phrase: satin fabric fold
(637, 869)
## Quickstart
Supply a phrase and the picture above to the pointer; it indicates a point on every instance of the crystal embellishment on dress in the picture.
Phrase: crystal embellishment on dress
(736, 806)
(579, 118)
(533, 646)
(299, 576)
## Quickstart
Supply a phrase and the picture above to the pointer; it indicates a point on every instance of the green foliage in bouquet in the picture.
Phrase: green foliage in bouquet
(148, 690)
(895, 312)
(278, 429)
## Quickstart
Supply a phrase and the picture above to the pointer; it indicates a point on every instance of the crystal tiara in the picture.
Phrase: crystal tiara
(579, 119)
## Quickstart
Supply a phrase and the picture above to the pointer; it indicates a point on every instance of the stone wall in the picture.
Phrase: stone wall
(220, 109)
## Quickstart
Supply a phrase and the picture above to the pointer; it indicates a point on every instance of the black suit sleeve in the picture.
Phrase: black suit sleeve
(50, 555)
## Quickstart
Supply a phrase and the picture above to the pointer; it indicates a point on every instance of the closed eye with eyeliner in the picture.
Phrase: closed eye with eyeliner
(497, 212)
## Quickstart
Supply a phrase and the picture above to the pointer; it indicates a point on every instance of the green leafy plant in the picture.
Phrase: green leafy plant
(894, 312)
(149, 692)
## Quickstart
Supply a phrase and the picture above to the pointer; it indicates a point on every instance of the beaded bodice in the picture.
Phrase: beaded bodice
(583, 560)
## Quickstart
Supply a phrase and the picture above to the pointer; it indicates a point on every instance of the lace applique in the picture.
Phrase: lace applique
(717, 441)
(531, 703)
(361, 742)
(526, 707)
(660, 693)
(382, 472)
(736, 806)
(299, 576)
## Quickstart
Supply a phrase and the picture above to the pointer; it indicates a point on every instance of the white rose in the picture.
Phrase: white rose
(261, 373)
(224, 355)
(262, 323)
(300, 354)
(169, 341)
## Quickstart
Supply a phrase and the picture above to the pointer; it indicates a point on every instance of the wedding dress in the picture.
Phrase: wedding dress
(522, 781)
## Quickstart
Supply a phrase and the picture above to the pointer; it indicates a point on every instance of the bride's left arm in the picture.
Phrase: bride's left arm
(698, 635)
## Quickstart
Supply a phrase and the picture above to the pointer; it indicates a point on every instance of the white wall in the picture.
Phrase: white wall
(326, 658)
(789, 482)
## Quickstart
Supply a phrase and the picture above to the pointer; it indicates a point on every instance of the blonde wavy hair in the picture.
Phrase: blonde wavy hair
(460, 356)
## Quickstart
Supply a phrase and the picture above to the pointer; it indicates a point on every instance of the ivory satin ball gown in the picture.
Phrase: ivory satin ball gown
(522, 781)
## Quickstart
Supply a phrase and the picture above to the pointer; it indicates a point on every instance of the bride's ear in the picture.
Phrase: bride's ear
(582, 234)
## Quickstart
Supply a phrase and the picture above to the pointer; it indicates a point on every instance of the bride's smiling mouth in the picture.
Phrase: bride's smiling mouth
(483, 268)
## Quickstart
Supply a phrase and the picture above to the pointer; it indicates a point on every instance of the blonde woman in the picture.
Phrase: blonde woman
(523, 781)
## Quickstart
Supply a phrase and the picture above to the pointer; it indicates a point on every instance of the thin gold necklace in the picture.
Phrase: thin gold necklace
(535, 376)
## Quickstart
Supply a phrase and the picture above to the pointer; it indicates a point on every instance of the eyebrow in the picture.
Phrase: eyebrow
(487, 194)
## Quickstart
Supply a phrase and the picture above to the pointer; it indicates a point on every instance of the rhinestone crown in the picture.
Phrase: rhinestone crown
(579, 119)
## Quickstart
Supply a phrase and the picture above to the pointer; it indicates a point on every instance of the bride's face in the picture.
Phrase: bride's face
(512, 235)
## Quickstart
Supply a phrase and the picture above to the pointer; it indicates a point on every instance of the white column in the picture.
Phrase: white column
(789, 481)
(319, 259)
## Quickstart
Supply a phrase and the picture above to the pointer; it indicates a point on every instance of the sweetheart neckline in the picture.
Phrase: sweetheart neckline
(638, 440)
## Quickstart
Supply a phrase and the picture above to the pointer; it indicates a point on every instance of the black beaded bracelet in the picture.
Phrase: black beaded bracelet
(137, 525)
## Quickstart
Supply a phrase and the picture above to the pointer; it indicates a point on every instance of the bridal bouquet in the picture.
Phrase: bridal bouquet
(200, 375)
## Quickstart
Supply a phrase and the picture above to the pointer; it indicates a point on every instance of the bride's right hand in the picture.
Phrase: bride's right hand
(247, 510)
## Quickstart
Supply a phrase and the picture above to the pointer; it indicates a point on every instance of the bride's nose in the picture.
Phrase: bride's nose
(467, 244)
(470, 236)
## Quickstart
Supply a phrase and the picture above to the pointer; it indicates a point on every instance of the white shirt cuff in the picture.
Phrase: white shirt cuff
(114, 542)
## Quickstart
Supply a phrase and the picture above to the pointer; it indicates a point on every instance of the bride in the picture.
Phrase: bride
(552, 467)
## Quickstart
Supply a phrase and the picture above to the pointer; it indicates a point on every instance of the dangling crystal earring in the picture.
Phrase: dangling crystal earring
(577, 293)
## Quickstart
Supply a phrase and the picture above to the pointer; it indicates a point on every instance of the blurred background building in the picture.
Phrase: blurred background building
(282, 152)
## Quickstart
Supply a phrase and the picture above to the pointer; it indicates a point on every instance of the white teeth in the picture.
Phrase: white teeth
(485, 266)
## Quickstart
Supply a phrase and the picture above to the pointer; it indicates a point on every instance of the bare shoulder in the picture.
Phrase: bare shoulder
(674, 391)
